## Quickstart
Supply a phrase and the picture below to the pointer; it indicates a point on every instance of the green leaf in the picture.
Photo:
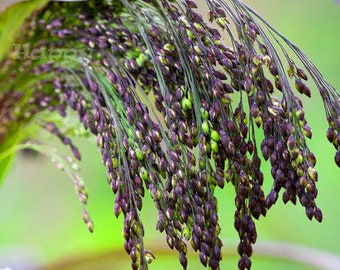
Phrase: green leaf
(11, 21)
(8, 148)
(5, 164)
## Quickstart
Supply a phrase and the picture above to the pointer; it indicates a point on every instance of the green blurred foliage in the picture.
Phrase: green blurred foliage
(11, 21)
(15, 16)
(40, 212)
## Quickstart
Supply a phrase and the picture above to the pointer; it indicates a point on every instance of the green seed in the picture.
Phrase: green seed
(313, 174)
(169, 47)
(143, 174)
(197, 49)
(198, 26)
(149, 257)
(186, 104)
(141, 59)
(186, 233)
(91, 44)
(201, 164)
(215, 136)
(205, 127)
(115, 163)
(139, 154)
(299, 159)
(162, 60)
(191, 36)
(214, 146)
(221, 22)
(204, 113)
(208, 148)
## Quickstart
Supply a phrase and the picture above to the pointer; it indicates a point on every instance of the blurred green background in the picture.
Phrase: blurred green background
(40, 217)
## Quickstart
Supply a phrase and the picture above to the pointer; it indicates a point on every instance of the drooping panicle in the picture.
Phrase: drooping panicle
(174, 100)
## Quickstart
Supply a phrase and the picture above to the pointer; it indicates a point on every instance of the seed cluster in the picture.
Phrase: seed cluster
(194, 138)
(7, 114)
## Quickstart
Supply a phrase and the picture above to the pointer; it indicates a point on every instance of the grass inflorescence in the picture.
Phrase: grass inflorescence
(109, 61)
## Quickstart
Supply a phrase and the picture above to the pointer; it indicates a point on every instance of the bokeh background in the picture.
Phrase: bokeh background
(40, 217)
